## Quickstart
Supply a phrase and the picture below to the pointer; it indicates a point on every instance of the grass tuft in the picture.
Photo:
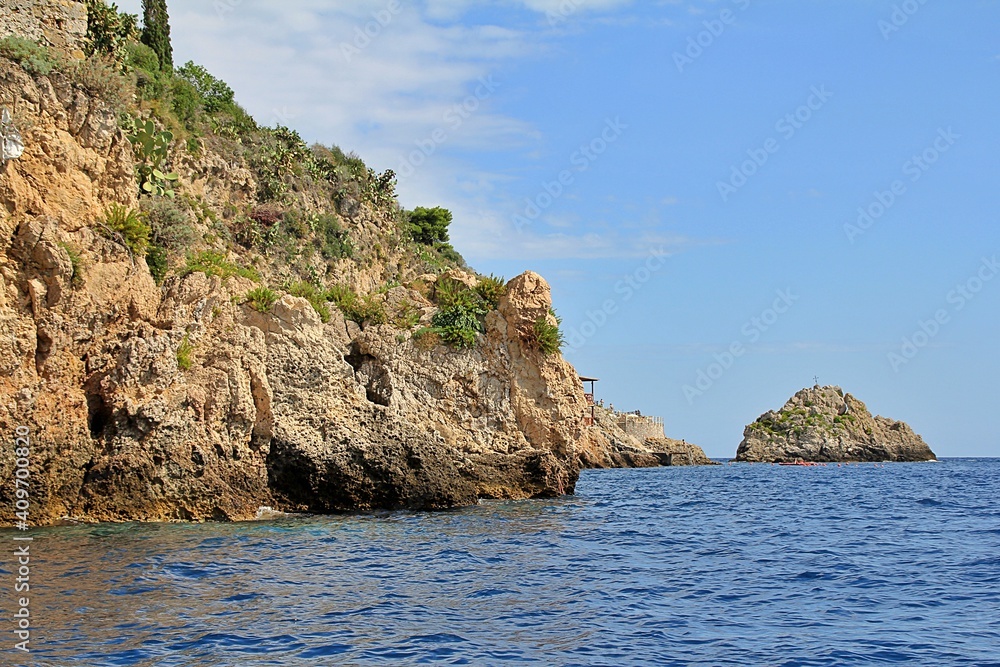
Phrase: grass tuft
(185, 354)
(547, 336)
(262, 299)
(216, 263)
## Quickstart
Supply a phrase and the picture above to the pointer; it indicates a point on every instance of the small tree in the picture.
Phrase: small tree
(216, 95)
(156, 32)
(430, 225)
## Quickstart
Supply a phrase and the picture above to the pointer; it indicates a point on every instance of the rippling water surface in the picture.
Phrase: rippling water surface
(727, 565)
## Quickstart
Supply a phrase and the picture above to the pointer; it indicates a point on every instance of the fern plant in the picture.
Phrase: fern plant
(262, 299)
(491, 289)
(126, 226)
(185, 354)
(547, 337)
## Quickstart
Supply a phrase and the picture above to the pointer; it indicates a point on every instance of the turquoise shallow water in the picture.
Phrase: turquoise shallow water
(728, 565)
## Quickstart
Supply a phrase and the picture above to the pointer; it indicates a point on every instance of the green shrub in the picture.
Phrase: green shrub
(234, 123)
(429, 225)
(841, 420)
(215, 94)
(315, 297)
(102, 78)
(33, 57)
(156, 260)
(126, 226)
(169, 223)
(262, 299)
(185, 354)
(150, 82)
(251, 234)
(370, 310)
(185, 102)
(331, 238)
(342, 296)
(459, 319)
(460, 315)
(216, 263)
(407, 317)
(459, 337)
(548, 339)
(76, 280)
(150, 86)
(448, 293)
(333, 164)
(140, 56)
(109, 32)
(363, 310)
(491, 289)
(449, 254)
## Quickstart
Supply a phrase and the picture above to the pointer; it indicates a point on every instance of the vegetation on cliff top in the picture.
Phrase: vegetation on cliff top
(156, 31)
(299, 231)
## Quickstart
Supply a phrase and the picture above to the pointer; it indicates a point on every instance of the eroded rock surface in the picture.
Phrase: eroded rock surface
(181, 401)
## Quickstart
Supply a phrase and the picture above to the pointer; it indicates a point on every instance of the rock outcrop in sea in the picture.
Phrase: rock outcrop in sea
(824, 424)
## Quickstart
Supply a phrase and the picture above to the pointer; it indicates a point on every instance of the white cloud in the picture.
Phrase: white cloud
(545, 6)
(399, 86)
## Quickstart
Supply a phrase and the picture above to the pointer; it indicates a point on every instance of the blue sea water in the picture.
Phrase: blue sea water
(726, 565)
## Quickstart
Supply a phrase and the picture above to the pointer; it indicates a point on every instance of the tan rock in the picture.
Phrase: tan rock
(825, 424)
(180, 401)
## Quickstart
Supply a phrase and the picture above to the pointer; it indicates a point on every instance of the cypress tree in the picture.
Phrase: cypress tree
(156, 32)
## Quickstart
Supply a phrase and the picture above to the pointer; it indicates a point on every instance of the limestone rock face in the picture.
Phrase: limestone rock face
(825, 424)
(75, 162)
(181, 401)
(276, 408)
(57, 23)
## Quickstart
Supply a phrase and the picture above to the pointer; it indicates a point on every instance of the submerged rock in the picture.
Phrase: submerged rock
(825, 424)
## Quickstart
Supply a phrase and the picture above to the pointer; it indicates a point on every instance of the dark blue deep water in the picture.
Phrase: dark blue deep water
(727, 565)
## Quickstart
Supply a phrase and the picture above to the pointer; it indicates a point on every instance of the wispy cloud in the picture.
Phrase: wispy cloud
(402, 84)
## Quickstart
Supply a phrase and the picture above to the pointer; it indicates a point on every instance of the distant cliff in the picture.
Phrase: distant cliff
(643, 447)
(825, 424)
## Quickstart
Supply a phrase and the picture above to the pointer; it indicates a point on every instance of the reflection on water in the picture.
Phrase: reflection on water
(727, 565)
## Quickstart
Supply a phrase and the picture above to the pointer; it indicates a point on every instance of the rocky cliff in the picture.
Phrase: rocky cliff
(57, 23)
(825, 424)
(190, 400)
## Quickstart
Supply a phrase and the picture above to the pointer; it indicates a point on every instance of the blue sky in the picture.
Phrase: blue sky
(689, 175)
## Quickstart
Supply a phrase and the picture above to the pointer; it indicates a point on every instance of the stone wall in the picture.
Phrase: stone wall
(641, 427)
(58, 23)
